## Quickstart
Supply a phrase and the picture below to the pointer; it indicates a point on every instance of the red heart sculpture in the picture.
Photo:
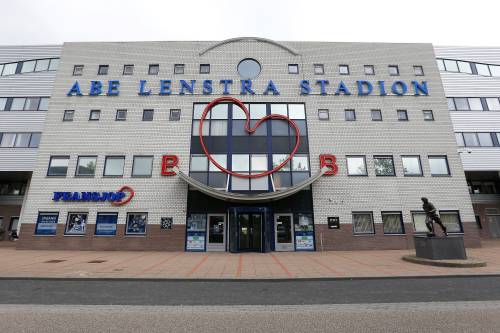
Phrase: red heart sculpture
(249, 130)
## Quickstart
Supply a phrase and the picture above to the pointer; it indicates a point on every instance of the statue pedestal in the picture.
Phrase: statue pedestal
(440, 248)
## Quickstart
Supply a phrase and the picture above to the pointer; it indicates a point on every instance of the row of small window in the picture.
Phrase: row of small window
(457, 66)
(142, 166)
(20, 140)
(13, 188)
(384, 165)
(376, 115)
(319, 69)
(256, 110)
(153, 69)
(472, 139)
(121, 115)
(473, 103)
(24, 103)
(29, 66)
(362, 222)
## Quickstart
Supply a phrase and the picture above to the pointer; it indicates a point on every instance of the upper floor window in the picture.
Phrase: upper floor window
(154, 69)
(411, 165)
(319, 69)
(293, 69)
(113, 166)
(58, 166)
(175, 115)
(95, 115)
(24, 103)
(19, 140)
(393, 223)
(419, 70)
(483, 70)
(428, 115)
(249, 68)
(86, 166)
(369, 69)
(9, 69)
(179, 69)
(376, 115)
(142, 166)
(128, 69)
(402, 115)
(439, 166)
(350, 115)
(393, 70)
(362, 223)
(77, 70)
(344, 69)
(384, 166)
(204, 68)
(103, 70)
(68, 115)
(323, 114)
(356, 166)
(147, 115)
(29, 66)
(121, 115)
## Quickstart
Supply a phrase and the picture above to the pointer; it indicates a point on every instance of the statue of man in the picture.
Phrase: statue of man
(432, 216)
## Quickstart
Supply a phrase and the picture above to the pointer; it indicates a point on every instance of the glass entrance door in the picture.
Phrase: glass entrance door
(283, 232)
(250, 232)
(216, 232)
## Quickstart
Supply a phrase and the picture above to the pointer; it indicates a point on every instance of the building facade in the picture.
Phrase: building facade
(244, 145)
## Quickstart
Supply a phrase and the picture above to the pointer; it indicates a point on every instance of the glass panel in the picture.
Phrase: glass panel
(259, 184)
(319, 69)
(86, 166)
(28, 66)
(148, 115)
(35, 140)
(471, 139)
(240, 184)
(198, 111)
(451, 104)
(411, 166)
(438, 166)
(153, 69)
(369, 70)
(485, 139)
(18, 104)
(58, 166)
(284, 229)
(475, 104)
(217, 180)
(298, 177)
(343, 69)
(460, 139)
(136, 223)
(293, 69)
(376, 115)
(238, 113)
(257, 111)
(350, 115)
(393, 70)
(451, 221)
(239, 128)
(32, 103)
(392, 223)
(76, 224)
(22, 140)
(68, 115)
(143, 166)
(451, 65)
(248, 68)
(418, 70)
(495, 70)
(1, 69)
(493, 104)
(42, 65)
(279, 109)
(220, 159)
(240, 162)
(280, 158)
(483, 70)
(219, 111)
(440, 64)
(384, 166)
(323, 114)
(259, 163)
(260, 131)
(428, 115)
(419, 222)
(218, 127)
(54, 64)
(296, 111)
(3, 102)
(196, 128)
(282, 179)
(461, 104)
(8, 140)
(356, 166)
(114, 166)
(95, 115)
(464, 67)
(363, 224)
(216, 229)
(402, 115)
(9, 69)
(196, 222)
(304, 222)
(198, 163)
(279, 127)
(301, 124)
(300, 163)
(44, 104)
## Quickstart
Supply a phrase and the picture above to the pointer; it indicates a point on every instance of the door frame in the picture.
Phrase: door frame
(216, 247)
(289, 246)
(249, 213)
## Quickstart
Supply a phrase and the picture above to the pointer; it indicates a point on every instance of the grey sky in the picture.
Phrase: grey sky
(440, 22)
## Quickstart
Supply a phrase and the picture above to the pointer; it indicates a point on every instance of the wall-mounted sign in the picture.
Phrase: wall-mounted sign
(195, 241)
(304, 242)
(46, 224)
(333, 222)
(76, 224)
(116, 198)
(105, 224)
(166, 223)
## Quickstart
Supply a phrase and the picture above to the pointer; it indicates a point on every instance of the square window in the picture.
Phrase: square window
(439, 166)
(113, 166)
(460, 139)
(259, 184)
(428, 115)
(495, 70)
(356, 166)
(154, 69)
(179, 69)
(475, 104)
(198, 163)
(175, 115)
(9, 69)
(411, 166)
(258, 162)
(451, 65)
(7, 140)
(402, 115)
(148, 115)
(240, 184)
(218, 127)
(393, 70)
(343, 69)
(471, 139)
(46, 224)
(485, 139)
(95, 115)
(103, 70)
(128, 69)
(35, 140)
(3, 103)
(77, 70)
(419, 70)
(350, 115)
(121, 115)
(376, 115)
(324, 114)
(68, 115)
(451, 104)
(142, 166)
(384, 166)
(44, 104)
(240, 162)
(461, 104)
(280, 158)
(493, 104)
(393, 223)
(54, 64)
(296, 111)
(369, 70)
(464, 67)
(483, 70)
(28, 66)
(136, 223)
(300, 163)
(42, 65)
(319, 69)
(76, 224)
(58, 166)
(362, 223)
(18, 104)
(451, 220)
(204, 68)
(221, 159)
(293, 69)
(86, 166)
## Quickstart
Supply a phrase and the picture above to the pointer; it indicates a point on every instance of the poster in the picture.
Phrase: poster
(136, 224)
(106, 224)
(195, 241)
(76, 224)
(46, 225)
(304, 242)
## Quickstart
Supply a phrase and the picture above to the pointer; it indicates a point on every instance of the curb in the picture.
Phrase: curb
(466, 263)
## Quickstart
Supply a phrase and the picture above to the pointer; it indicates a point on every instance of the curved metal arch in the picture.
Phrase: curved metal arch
(258, 39)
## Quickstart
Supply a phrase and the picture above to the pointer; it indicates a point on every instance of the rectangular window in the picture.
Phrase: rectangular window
(393, 70)
(343, 69)
(451, 65)
(76, 224)
(28, 66)
(218, 127)
(3, 103)
(175, 115)
(7, 140)
(428, 115)
(376, 115)
(103, 70)
(402, 115)
(419, 70)
(148, 115)
(9, 69)
(46, 224)
(204, 68)
(136, 224)
(86, 166)
(105, 224)
(22, 140)
(440, 64)
(293, 69)
(154, 69)
(439, 166)
(113, 166)
(475, 104)
(461, 104)
(32, 103)
(18, 104)
(319, 69)
(356, 166)
(411, 165)
(95, 115)
(464, 67)
(384, 166)
(42, 65)
(121, 115)
(44, 104)
(485, 139)
(128, 69)
(362, 223)
(58, 166)
(393, 223)
(471, 139)
(179, 69)
(483, 70)
(495, 70)
(54, 64)
(35, 140)
(77, 70)
(68, 115)
(350, 115)
(198, 163)
(451, 104)
(419, 222)
(323, 114)
(142, 166)
(451, 220)
(460, 139)
(369, 70)
(493, 104)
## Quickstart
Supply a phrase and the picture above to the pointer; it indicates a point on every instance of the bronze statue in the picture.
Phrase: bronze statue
(432, 216)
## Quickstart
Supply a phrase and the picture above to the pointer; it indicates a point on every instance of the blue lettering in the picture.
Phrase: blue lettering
(246, 86)
(381, 88)
(362, 84)
(113, 87)
(86, 196)
(271, 88)
(57, 196)
(75, 196)
(185, 85)
(142, 88)
(420, 88)
(305, 88)
(165, 87)
(207, 87)
(66, 196)
(323, 84)
(226, 84)
(120, 195)
(75, 89)
(399, 88)
(342, 89)
(95, 196)
(95, 88)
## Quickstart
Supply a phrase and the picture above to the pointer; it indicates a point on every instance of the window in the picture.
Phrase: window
(376, 115)
(121, 115)
(483, 69)
(154, 69)
(343, 69)
(28, 66)
(402, 115)
(369, 70)
(105, 224)
(3, 103)
(103, 70)
(440, 64)
(113, 166)
(495, 70)
(419, 222)
(419, 70)
(76, 224)
(485, 139)
(31, 103)
(362, 223)
(86, 166)
(54, 64)
(148, 115)
(451, 220)
(493, 104)
(128, 69)
(393, 70)
(7, 140)
(95, 115)
(42, 65)
(319, 69)
(142, 166)
(179, 69)
(68, 115)
(475, 104)
(356, 166)
(248, 68)
(451, 104)
(198, 163)
(461, 104)
(471, 139)
(22, 140)
(393, 223)
(204, 68)
(439, 166)
(460, 139)
(384, 166)
(464, 67)
(58, 166)
(46, 224)
(323, 114)
(350, 115)
(77, 70)
(35, 140)
(428, 115)
(136, 223)
(451, 65)
(44, 104)
(18, 104)
(175, 115)
(293, 69)
(411, 166)
(9, 69)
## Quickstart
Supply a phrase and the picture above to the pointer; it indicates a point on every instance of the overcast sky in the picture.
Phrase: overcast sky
(441, 22)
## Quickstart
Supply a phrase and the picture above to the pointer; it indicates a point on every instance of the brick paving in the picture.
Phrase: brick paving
(167, 265)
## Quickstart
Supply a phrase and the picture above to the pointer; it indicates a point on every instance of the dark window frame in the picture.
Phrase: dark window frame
(415, 67)
(325, 111)
(347, 166)
(52, 157)
(429, 112)
(319, 66)
(460, 223)
(179, 69)
(151, 66)
(204, 66)
(369, 66)
(106, 162)
(406, 115)
(403, 231)
(78, 164)
(379, 112)
(419, 162)
(353, 112)
(391, 157)
(128, 66)
(102, 67)
(72, 112)
(75, 67)
(142, 234)
(172, 111)
(397, 70)
(344, 66)
(148, 111)
(363, 233)
(121, 119)
(92, 112)
(290, 66)
(429, 157)
(133, 164)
